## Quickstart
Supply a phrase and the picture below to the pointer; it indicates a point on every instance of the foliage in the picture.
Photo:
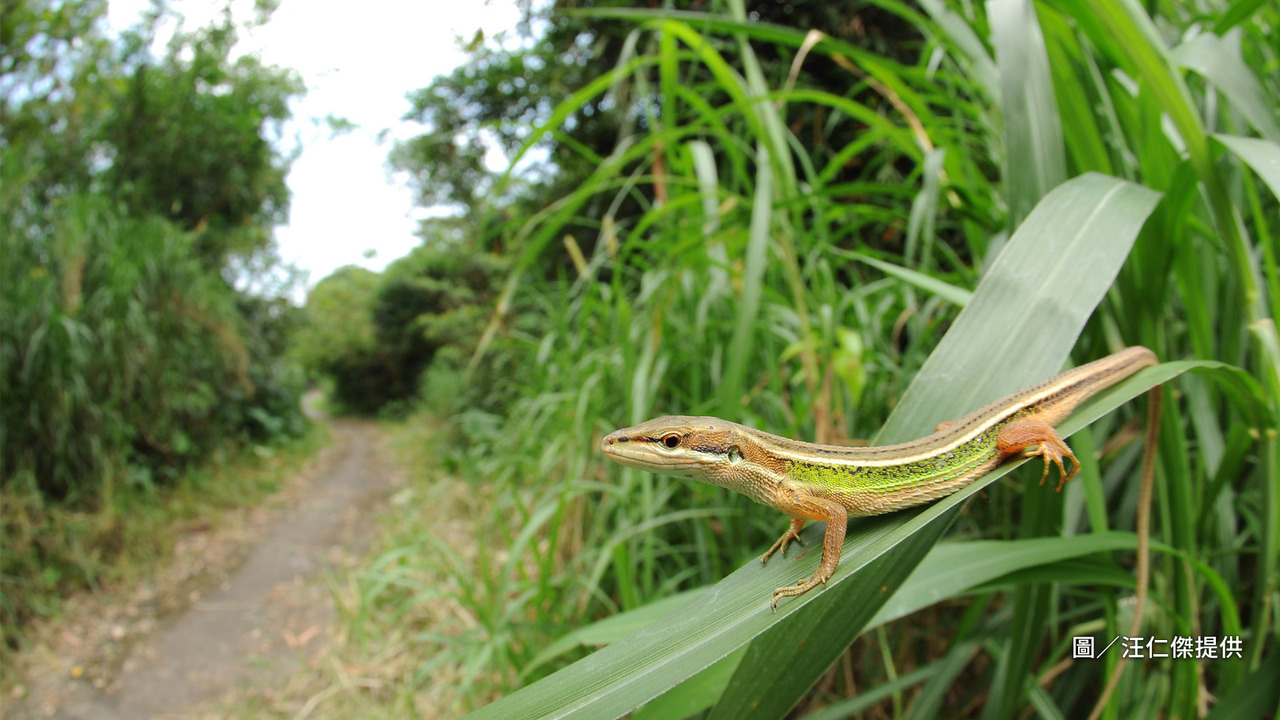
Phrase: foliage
(338, 329)
(721, 257)
(116, 333)
(132, 189)
(374, 335)
(189, 135)
(508, 89)
(54, 59)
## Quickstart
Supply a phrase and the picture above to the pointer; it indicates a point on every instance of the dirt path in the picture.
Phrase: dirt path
(265, 621)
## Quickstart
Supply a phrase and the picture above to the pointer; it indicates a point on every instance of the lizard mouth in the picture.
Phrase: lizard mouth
(639, 454)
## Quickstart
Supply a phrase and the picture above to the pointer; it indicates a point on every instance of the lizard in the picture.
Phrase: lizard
(829, 483)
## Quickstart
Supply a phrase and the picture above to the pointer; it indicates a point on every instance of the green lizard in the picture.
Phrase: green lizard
(828, 483)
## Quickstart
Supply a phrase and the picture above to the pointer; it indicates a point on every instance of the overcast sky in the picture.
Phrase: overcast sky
(358, 61)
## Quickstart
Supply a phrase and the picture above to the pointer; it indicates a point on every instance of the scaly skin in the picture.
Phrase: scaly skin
(828, 482)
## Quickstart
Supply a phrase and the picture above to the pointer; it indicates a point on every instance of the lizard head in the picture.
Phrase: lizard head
(706, 449)
(680, 445)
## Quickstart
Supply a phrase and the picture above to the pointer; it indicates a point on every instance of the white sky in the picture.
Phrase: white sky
(358, 61)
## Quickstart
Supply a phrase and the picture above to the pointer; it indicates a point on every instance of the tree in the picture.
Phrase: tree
(120, 170)
(190, 136)
(375, 335)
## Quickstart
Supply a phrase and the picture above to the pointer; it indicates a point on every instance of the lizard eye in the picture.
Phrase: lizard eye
(671, 441)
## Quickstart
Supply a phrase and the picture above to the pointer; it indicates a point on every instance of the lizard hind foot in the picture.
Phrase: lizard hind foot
(1054, 451)
(1036, 437)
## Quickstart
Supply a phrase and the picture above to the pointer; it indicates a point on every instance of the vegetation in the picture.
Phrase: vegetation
(135, 192)
(804, 217)
(782, 228)
(373, 336)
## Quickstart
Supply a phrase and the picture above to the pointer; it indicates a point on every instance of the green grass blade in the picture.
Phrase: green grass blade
(874, 695)
(695, 694)
(753, 276)
(957, 296)
(1081, 120)
(1239, 11)
(1219, 60)
(635, 670)
(1128, 34)
(962, 36)
(921, 224)
(1035, 160)
(952, 569)
(611, 629)
(1261, 155)
(1030, 305)
(1257, 697)
(928, 702)
(753, 693)
(949, 570)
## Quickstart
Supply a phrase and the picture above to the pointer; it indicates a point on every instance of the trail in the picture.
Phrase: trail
(268, 618)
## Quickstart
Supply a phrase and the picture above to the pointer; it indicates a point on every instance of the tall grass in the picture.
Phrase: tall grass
(770, 286)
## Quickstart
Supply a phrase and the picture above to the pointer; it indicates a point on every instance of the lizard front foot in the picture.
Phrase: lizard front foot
(792, 533)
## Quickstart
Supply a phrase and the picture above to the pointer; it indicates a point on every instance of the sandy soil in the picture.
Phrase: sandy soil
(244, 609)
